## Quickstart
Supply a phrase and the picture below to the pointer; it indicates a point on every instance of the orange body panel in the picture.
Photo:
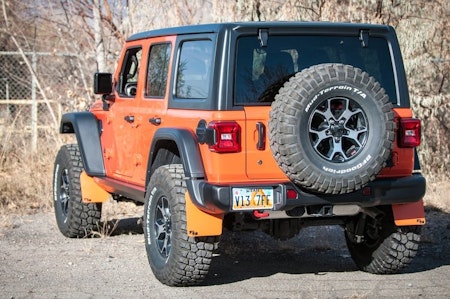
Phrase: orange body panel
(234, 167)
(260, 162)
(231, 165)
(127, 161)
(402, 158)
(125, 145)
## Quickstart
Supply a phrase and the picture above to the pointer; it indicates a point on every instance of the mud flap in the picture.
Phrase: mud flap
(201, 224)
(91, 191)
(409, 214)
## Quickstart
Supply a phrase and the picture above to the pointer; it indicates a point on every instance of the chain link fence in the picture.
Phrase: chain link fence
(35, 89)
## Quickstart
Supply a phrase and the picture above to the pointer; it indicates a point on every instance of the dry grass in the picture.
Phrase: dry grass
(25, 178)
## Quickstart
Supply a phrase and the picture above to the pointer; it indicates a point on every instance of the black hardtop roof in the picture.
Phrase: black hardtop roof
(299, 27)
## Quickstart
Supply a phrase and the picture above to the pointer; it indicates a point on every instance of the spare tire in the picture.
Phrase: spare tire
(331, 128)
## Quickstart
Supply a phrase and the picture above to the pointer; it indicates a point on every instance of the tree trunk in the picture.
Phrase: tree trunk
(98, 37)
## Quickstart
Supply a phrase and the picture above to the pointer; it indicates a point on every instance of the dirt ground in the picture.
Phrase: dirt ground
(36, 261)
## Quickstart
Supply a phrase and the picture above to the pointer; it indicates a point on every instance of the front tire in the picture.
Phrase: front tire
(175, 258)
(385, 247)
(75, 219)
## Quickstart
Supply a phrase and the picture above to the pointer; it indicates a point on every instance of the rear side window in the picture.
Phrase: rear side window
(260, 70)
(194, 70)
(157, 71)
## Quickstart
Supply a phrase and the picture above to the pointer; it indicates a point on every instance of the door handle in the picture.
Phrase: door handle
(261, 128)
(155, 121)
(129, 119)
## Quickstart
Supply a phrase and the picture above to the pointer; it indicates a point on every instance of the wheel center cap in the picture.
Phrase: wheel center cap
(337, 130)
(167, 223)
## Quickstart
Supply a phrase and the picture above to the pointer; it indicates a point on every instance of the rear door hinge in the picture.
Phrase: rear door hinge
(364, 38)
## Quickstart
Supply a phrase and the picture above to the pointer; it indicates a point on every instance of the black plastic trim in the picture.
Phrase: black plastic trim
(124, 189)
(253, 27)
(187, 146)
(217, 199)
(86, 128)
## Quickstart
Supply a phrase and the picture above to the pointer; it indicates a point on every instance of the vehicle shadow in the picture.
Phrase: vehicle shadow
(435, 242)
(245, 255)
(316, 250)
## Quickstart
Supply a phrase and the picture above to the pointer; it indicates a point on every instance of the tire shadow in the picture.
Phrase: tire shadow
(123, 226)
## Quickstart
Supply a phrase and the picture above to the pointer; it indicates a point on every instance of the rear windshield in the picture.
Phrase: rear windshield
(261, 71)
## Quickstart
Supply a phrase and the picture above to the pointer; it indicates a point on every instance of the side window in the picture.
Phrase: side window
(194, 69)
(129, 73)
(158, 67)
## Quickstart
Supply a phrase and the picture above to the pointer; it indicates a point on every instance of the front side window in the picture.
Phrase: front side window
(129, 73)
(194, 70)
(157, 71)
(128, 79)
(261, 71)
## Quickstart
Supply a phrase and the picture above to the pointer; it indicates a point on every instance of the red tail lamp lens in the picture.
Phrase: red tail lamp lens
(409, 132)
(226, 136)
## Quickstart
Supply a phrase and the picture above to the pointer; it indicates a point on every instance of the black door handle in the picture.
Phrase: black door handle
(261, 128)
(129, 118)
(155, 121)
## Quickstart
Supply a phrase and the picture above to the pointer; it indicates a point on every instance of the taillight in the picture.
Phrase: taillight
(291, 194)
(226, 136)
(409, 132)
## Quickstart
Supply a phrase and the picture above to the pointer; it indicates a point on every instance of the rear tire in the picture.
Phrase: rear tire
(75, 219)
(175, 258)
(386, 248)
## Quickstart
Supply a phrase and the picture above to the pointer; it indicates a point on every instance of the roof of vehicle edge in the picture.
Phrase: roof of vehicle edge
(298, 27)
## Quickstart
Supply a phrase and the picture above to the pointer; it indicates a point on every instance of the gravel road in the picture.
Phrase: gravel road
(36, 261)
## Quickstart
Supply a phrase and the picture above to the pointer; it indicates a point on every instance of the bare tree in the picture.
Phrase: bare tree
(12, 35)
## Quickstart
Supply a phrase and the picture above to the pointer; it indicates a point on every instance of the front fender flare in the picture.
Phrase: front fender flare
(87, 131)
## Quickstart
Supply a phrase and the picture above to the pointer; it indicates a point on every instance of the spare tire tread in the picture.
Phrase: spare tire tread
(292, 100)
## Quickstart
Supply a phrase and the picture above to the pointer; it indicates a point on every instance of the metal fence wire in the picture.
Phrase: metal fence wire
(34, 90)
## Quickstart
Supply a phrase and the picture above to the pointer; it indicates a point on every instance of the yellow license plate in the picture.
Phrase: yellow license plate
(252, 198)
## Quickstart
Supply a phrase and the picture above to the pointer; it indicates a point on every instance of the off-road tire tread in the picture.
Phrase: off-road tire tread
(83, 219)
(282, 122)
(396, 252)
(395, 249)
(190, 257)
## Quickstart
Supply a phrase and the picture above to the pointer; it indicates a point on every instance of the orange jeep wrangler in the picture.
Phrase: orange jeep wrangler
(267, 125)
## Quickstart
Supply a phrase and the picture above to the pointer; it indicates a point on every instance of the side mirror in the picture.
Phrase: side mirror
(102, 83)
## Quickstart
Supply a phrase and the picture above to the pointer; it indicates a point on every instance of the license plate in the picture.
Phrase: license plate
(252, 198)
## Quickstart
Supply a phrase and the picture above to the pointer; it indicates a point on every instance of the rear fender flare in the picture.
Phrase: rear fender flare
(190, 156)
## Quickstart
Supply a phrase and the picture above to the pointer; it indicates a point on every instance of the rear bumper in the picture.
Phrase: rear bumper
(217, 199)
